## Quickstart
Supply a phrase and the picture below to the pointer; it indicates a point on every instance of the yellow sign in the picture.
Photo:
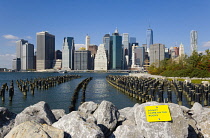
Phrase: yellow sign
(157, 113)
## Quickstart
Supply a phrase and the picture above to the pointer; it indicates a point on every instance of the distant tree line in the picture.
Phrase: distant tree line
(196, 65)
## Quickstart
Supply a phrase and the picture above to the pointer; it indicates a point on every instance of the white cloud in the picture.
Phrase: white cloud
(28, 37)
(206, 44)
(6, 60)
(10, 36)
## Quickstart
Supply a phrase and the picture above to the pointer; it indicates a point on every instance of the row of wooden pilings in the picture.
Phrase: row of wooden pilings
(82, 85)
(160, 90)
(36, 83)
(193, 92)
(5, 88)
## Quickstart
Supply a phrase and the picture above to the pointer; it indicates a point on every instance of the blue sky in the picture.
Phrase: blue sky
(171, 21)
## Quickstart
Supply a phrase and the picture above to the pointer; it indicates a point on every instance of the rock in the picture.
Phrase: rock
(74, 124)
(7, 121)
(177, 128)
(58, 113)
(106, 115)
(127, 113)
(201, 117)
(127, 130)
(88, 107)
(39, 113)
(31, 129)
(197, 109)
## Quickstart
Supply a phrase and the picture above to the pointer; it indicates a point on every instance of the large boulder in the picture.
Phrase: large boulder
(127, 113)
(74, 124)
(201, 116)
(7, 121)
(88, 107)
(127, 130)
(177, 128)
(58, 113)
(31, 129)
(40, 113)
(106, 115)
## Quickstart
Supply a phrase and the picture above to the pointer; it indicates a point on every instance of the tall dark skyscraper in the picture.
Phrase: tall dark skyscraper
(82, 60)
(116, 51)
(149, 38)
(106, 42)
(45, 50)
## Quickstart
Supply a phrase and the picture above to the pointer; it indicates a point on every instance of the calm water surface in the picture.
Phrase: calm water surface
(59, 97)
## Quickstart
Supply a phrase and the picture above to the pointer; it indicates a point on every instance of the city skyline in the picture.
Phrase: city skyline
(171, 24)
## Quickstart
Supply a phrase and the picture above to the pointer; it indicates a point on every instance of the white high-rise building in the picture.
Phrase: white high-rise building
(193, 40)
(125, 43)
(181, 50)
(101, 58)
(67, 53)
(27, 58)
(87, 41)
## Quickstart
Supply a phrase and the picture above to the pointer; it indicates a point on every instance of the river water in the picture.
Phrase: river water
(59, 97)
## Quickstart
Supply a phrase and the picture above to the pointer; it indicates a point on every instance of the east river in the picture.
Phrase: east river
(59, 97)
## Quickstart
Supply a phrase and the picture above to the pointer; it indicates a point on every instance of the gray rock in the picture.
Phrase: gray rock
(106, 115)
(40, 113)
(31, 129)
(197, 109)
(88, 107)
(201, 117)
(58, 113)
(7, 121)
(74, 124)
(127, 130)
(177, 128)
(127, 113)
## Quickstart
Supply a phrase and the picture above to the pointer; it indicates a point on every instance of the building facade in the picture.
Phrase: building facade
(193, 40)
(45, 50)
(157, 53)
(27, 57)
(149, 36)
(68, 53)
(87, 41)
(116, 61)
(100, 59)
(82, 60)
(125, 42)
(181, 50)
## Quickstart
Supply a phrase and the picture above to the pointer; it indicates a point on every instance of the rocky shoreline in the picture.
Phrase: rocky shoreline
(104, 120)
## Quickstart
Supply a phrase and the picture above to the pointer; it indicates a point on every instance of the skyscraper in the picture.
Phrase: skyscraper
(131, 42)
(68, 53)
(125, 43)
(116, 51)
(27, 57)
(157, 53)
(193, 40)
(45, 50)
(82, 60)
(19, 47)
(149, 38)
(87, 41)
(181, 50)
(19, 53)
(106, 42)
(101, 58)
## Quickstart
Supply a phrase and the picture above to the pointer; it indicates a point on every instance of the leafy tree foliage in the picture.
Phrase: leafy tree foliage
(196, 65)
